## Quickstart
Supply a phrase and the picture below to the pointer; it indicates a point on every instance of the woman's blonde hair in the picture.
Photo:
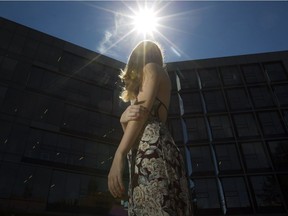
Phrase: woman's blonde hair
(132, 75)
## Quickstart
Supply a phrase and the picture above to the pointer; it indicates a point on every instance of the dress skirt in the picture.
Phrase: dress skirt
(158, 182)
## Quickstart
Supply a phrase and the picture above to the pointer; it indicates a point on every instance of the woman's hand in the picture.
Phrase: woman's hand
(115, 176)
(132, 113)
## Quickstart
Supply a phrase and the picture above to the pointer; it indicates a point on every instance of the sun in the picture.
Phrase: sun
(145, 21)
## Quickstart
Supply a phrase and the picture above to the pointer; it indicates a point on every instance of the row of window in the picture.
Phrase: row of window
(266, 192)
(50, 52)
(31, 188)
(244, 124)
(235, 158)
(237, 99)
(20, 140)
(231, 75)
(63, 190)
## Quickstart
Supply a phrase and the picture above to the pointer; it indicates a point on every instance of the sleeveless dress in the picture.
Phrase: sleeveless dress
(158, 183)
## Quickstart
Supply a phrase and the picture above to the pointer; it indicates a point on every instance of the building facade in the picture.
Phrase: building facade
(59, 128)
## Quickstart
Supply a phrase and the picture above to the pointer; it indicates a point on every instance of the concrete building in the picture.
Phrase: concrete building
(59, 128)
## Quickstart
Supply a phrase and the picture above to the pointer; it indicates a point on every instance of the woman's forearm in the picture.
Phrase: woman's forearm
(131, 134)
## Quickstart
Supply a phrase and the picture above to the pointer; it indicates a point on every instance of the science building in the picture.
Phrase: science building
(59, 128)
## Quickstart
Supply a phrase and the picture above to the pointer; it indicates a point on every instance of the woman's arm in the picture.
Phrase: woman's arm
(146, 97)
(132, 113)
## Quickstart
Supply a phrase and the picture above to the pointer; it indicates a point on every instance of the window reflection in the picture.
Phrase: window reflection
(236, 195)
(253, 73)
(271, 123)
(231, 75)
(207, 196)
(279, 154)
(281, 92)
(238, 99)
(214, 101)
(220, 127)
(201, 160)
(255, 156)
(275, 71)
(209, 77)
(192, 102)
(261, 97)
(188, 79)
(245, 125)
(227, 158)
(267, 193)
(196, 129)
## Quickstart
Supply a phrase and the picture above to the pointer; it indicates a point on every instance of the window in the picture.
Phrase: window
(196, 129)
(5, 38)
(220, 127)
(201, 160)
(283, 180)
(3, 91)
(245, 125)
(281, 92)
(192, 102)
(271, 123)
(261, 97)
(238, 99)
(209, 77)
(279, 154)
(207, 195)
(7, 178)
(227, 158)
(8, 66)
(236, 195)
(17, 43)
(253, 73)
(267, 193)
(188, 79)
(275, 71)
(175, 127)
(231, 75)
(174, 104)
(214, 101)
(48, 54)
(255, 156)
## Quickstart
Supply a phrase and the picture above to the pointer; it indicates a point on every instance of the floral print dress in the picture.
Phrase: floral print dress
(158, 184)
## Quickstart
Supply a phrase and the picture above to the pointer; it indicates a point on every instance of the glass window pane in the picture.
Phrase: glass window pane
(245, 125)
(281, 92)
(271, 123)
(261, 97)
(201, 160)
(188, 79)
(207, 195)
(175, 127)
(196, 129)
(237, 99)
(267, 192)
(209, 77)
(192, 102)
(7, 179)
(255, 156)
(275, 71)
(220, 127)
(236, 195)
(214, 101)
(231, 75)
(253, 73)
(283, 180)
(174, 108)
(227, 158)
(279, 154)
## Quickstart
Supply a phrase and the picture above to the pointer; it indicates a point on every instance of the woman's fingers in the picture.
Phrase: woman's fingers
(116, 186)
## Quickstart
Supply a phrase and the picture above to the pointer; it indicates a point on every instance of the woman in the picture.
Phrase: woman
(158, 184)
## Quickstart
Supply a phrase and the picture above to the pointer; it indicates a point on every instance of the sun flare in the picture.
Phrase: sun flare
(145, 21)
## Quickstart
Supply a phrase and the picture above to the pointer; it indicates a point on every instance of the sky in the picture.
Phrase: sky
(186, 30)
